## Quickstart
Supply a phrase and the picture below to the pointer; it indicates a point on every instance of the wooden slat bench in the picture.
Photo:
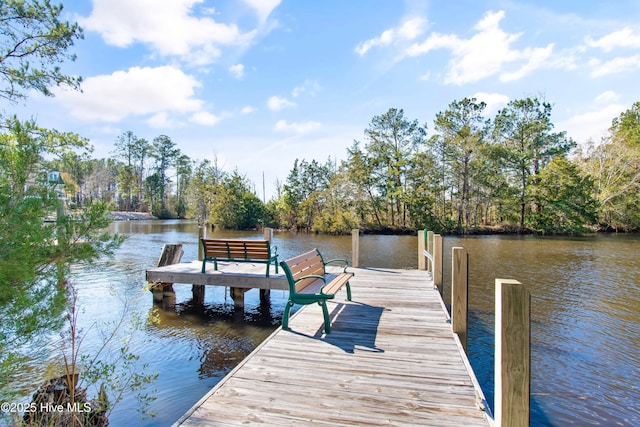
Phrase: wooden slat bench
(310, 283)
(236, 250)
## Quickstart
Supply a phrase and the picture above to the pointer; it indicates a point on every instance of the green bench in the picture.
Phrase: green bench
(236, 250)
(310, 283)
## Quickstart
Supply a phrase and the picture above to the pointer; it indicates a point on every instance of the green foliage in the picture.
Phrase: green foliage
(525, 143)
(564, 201)
(614, 167)
(302, 191)
(33, 40)
(235, 206)
(463, 129)
(37, 254)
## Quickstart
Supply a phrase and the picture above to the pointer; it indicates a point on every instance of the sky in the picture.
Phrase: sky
(255, 84)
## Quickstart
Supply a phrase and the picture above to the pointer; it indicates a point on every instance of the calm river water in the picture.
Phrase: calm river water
(585, 317)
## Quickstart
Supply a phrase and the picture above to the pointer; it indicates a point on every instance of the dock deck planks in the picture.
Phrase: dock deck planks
(391, 358)
(231, 274)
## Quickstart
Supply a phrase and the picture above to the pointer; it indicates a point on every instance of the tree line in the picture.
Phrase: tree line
(513, 172)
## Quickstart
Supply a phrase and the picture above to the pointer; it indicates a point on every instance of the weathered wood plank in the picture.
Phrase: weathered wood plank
(391, 359)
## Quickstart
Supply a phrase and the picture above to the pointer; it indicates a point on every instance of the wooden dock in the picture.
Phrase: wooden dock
(233, 275)
(391, 358)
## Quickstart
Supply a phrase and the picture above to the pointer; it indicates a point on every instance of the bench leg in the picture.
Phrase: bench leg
(348, 292)
(285, 316)
(327, 320)
(204, 263)
(268, 265)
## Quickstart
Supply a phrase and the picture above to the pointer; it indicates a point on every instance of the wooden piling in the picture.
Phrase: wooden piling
(422, 240)
(355, 247)
(437, 262)
(459, 293)
(512, 357)
(430, 250)
(268, 234)
(171, 254)
(202, 234)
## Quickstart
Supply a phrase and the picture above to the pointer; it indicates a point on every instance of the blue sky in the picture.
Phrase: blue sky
(258, 83)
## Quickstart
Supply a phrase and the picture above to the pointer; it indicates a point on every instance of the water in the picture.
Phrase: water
(585, 318)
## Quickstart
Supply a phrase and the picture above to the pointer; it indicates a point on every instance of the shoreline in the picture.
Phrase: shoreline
(131, 216)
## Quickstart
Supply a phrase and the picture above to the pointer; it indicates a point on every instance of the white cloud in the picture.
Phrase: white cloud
(263, 8)
(168, 26)
(494, 101)
(205, 118)
(486, 53)
(297, 128)
(593, 124)
(614, 66)
(622, 38)
(161, 121)
(409, 30)
(607, 97)
(237, 71)
(277, 103)
(310, 87)
(137, 91)
(247, 110)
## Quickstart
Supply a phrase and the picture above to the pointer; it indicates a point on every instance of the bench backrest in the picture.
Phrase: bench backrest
(309, 263)
(236, 249)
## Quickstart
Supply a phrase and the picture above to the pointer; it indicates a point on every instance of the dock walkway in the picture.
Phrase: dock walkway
(391, 358)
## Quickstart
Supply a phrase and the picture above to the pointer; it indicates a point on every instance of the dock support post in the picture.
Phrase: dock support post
(355, 247)
(437, 262)
(268, 234)
(459, 293)
(202, 234)
(237, 294)
(512, 358)
(198, 294)
(422, 240)
(264, 295)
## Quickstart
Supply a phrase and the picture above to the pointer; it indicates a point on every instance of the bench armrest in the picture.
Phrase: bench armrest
(274, 250)
(312, 276)
(344, 261)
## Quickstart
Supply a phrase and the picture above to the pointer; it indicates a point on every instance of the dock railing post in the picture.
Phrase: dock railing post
(422, 240)
(459, 293)
(512, 357)
(355, 247)
(430, 250)
(437, 262)
(201, 235)
(268, 235)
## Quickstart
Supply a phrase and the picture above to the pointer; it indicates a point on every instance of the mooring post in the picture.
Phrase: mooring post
(512, 357)
(355, 247)
(437, 262)
(459, 293)
(268, 234)
(422, 240)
